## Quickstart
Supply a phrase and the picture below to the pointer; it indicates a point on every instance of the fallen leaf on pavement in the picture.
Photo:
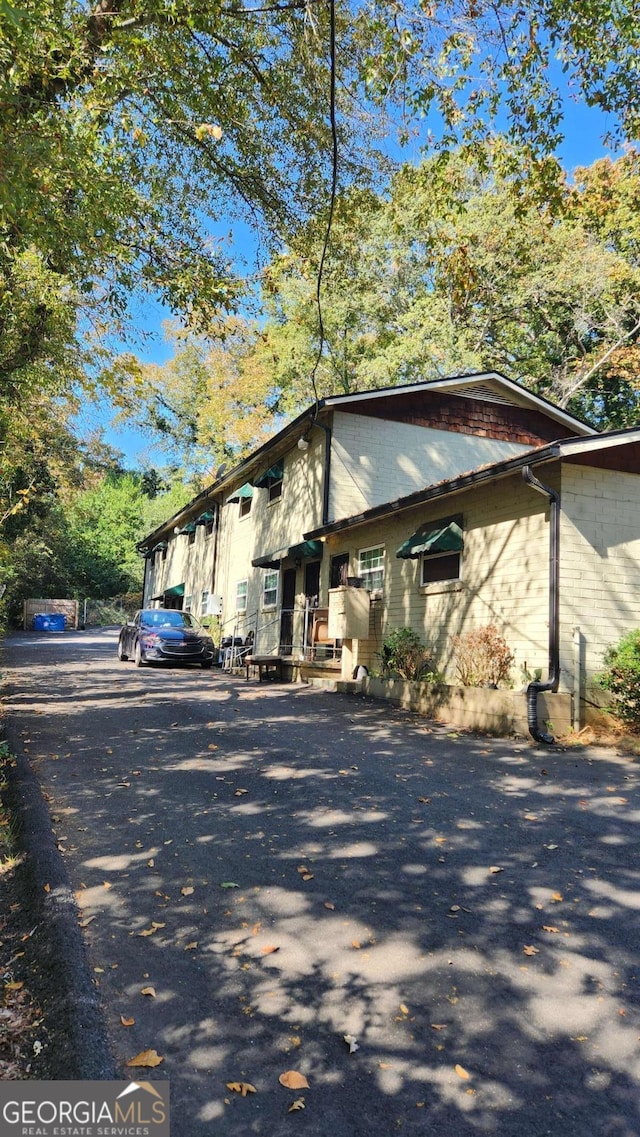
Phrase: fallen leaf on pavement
(242, 1088)
(438, 1026)
(461, 1072)
(295, 1105)
(127, 1022)
(293, 1080)
(528, 949)
(187, 890)
(494, 869)
(151, 991)
(152, 930)
(85, 923)
(329, 905)
(229, 884)
(145, 1058)
(352, 1043)
(549, 928)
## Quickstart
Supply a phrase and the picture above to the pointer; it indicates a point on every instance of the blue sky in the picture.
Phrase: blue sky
(584, 129)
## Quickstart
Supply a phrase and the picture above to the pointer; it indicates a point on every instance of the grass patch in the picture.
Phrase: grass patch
(19, 1017)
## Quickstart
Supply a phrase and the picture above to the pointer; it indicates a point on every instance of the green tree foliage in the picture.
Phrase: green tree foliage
(212, 401)
(130, 128)
(621, 678)
(455, 272)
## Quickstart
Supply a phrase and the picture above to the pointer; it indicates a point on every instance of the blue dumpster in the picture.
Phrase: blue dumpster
(49, 622)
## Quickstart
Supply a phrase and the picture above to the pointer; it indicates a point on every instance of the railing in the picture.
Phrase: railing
(309, 640)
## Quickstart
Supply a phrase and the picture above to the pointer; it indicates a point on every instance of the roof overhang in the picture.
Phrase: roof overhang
(277, 446)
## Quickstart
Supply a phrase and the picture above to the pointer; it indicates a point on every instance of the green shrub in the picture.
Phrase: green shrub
(621, 678)
(483, 657)
(404, 655)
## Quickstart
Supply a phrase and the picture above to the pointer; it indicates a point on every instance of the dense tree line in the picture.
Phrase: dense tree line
(132, 131)
(452, 271)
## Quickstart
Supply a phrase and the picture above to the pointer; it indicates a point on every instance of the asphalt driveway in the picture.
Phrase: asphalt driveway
(262, 869)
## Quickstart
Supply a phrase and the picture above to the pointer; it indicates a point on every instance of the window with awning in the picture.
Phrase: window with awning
(271, 479)
(275, 473)
(433, 537)
(245, 493)
(175, 590)
(438, 545)
(305, 550)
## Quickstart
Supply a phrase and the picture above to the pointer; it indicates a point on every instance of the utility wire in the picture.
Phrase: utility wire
(332, 199)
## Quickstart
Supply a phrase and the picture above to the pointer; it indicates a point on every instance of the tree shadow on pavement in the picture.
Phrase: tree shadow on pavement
(283, 867)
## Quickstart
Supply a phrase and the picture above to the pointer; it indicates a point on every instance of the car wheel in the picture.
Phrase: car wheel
(122, 655)
(206, 664)
(138, 657)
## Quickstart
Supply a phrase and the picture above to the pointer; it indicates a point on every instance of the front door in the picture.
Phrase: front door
(339, 570)
(286, 614)
(312, 597)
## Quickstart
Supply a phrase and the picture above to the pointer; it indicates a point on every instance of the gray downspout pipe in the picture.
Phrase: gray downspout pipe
(553, 681)
(327, 468)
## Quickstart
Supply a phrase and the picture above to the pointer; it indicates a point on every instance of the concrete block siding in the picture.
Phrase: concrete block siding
(374, 462)
(600, 562)
(504, 575)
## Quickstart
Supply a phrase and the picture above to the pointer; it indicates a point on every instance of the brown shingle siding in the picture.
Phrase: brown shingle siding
(465, 416)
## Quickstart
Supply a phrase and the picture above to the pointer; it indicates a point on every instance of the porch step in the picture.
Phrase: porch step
(342, 686)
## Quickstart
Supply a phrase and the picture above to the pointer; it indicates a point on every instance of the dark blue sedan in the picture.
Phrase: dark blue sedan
(165, 635)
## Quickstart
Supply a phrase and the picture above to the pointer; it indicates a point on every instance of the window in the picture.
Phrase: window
(440, 567)
(208, 528)
(204, 602)
(241, 596)
(275, 488)
(271, 480)
(245, 506)
(187, 604)
(192, 535)
(270, 590)
(371, 567)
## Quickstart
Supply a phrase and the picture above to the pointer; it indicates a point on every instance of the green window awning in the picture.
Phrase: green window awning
(273, 474)
(160, 546)
(190, 527)
(304, 551)
(245, 491)
(175, 590)
(205, 518)
(433, 538)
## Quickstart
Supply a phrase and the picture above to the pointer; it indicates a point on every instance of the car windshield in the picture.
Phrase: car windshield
(164, 618)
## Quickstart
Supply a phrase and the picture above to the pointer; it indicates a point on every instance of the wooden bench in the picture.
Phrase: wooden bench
(269, 666)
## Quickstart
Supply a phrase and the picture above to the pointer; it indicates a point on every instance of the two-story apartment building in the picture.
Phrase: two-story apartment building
(408, 507)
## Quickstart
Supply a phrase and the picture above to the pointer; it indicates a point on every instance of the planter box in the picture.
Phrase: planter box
(476, 708)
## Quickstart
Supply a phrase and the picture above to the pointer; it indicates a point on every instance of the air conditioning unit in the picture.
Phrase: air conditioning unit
(348, 614)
